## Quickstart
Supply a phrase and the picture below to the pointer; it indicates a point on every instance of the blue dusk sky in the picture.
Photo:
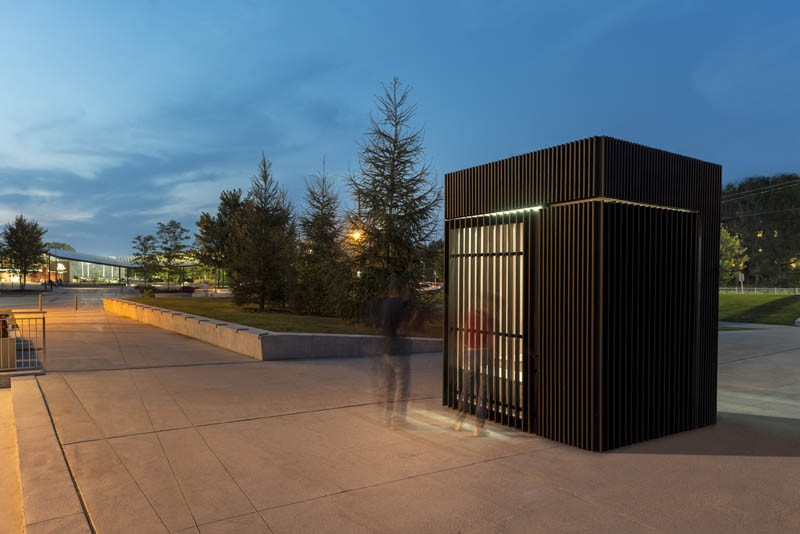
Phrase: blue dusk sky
(115, 115)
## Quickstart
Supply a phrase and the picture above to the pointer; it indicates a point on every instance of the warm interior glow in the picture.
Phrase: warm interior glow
(501, 213)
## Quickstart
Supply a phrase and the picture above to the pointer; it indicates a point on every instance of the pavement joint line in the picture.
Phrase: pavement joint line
(80, 402)
(235, 517)
(172, 397)
(161, 445)
(411, 477)
(233, 479)
(759, 356)
(125, 467)
(551, 483)
(232, 421)
(66, 462)
(150, 419)
(49, 520)
(136, 367)
(131, 435)
(318, 410)
(119, 346)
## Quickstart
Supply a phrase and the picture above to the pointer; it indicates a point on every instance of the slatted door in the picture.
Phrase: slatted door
(487, 273)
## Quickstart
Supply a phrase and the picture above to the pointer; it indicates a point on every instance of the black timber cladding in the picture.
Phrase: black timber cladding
(619, 289)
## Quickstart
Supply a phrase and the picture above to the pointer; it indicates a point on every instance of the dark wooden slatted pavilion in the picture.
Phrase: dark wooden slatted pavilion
(598, 260)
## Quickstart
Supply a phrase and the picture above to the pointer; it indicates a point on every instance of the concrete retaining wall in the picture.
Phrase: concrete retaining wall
(256, 343)
(233, 337)
(284, 346)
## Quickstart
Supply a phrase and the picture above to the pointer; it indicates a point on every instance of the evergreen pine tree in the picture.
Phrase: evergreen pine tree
(264, 239)
(397, 198)
(215, 246)
(323, 274)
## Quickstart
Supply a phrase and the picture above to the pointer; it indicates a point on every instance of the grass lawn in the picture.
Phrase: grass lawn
(224, 309)
(763, 309)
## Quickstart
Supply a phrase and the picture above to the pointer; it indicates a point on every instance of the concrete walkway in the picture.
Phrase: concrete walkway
(10, 488)
(165, 434)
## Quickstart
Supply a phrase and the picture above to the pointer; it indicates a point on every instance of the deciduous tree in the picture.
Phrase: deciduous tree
(172, 245)
(732, 257)
(55, 245)
(145, 255)
(22, 244)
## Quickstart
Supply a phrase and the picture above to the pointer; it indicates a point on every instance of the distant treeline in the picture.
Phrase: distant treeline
(764, 212)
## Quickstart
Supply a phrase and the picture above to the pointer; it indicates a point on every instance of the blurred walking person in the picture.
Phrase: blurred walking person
(395, 317)
(478, 326)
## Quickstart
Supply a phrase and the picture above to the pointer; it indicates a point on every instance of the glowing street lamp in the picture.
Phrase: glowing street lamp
(356, 235)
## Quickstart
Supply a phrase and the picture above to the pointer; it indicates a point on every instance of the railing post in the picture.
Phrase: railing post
(44, 344)
(40, 302)
(76, 302)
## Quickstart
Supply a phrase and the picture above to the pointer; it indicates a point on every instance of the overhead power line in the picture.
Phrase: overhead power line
(730, 197)
(769, 186)
(759, 191)
(739, 216)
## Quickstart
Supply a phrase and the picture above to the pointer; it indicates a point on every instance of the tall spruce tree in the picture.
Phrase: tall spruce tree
(22, 244)
(262, 269)
(322, 273)
(432, 255)
(397, 197)
(215, 244)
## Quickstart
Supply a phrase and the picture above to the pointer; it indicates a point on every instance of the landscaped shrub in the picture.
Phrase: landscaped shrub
(147, 292)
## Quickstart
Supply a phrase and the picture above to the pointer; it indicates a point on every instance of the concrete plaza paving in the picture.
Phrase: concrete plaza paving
(162, 433)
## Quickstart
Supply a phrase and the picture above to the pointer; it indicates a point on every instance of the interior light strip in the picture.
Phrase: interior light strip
(612, 200)
(571, 202)
(501, 213)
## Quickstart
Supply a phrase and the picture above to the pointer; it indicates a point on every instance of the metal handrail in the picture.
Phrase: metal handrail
(23, 341)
